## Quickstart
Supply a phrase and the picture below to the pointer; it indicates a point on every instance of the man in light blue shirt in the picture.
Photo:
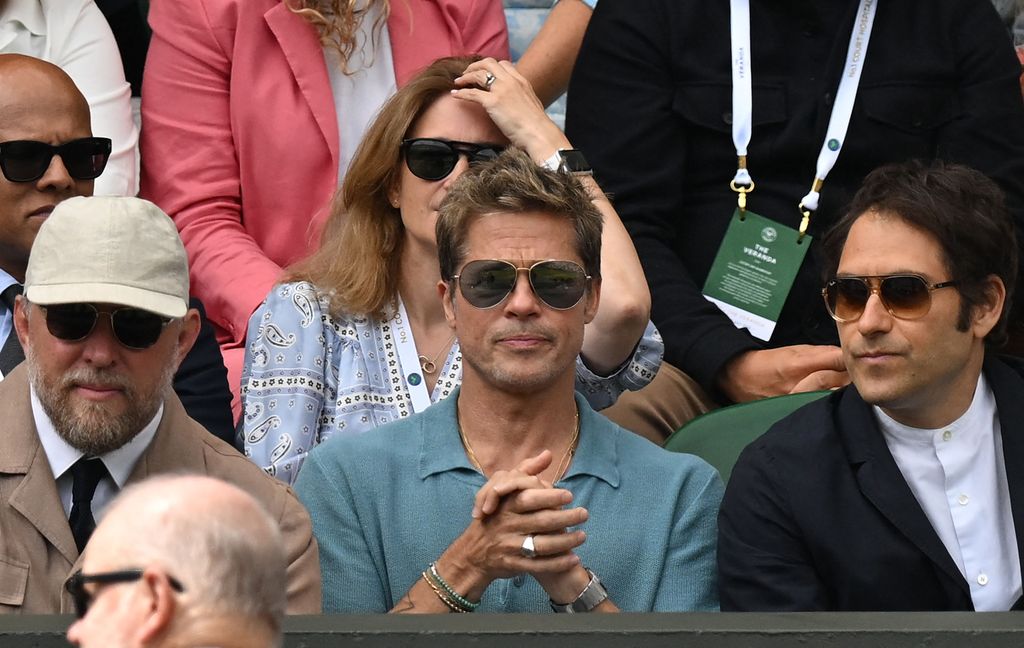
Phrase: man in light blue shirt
(513, 495)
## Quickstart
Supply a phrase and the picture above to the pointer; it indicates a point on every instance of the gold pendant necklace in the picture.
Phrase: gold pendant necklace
(428, 364)
(563, 463)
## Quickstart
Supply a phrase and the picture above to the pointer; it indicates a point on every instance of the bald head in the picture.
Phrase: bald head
(39, 103)
(27, 84)
(218, 542)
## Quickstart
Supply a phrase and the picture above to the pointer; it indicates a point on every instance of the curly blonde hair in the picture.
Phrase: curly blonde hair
(337, 22)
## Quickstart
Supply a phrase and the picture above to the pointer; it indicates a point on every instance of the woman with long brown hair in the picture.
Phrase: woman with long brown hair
(355, 336)
(252, 111)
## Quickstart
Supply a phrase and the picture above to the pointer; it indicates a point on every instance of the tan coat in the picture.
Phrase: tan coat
(37, 550)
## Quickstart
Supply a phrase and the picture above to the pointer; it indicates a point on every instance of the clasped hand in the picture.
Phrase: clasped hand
(510, 506)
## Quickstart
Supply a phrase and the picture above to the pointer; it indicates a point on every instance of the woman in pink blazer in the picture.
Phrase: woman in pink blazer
(240, 139)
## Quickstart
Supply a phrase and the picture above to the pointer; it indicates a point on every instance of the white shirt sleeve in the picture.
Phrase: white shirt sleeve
(81, 43)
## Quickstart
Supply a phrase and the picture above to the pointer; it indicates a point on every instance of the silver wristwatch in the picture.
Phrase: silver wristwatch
(568, 161)
(593, 594)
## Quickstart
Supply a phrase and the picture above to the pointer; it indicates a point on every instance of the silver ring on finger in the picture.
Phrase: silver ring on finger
(528, 549)
(489, 80)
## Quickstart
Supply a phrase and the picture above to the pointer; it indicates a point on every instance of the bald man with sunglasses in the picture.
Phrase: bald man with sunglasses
(48, 154)
(905, 490)
(104, 321)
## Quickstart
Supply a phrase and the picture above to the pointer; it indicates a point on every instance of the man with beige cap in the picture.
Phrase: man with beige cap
(104, 322)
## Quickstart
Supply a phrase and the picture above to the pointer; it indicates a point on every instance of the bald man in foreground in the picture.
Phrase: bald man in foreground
(142, 586)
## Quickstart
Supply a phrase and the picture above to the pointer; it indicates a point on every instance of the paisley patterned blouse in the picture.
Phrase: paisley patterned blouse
(309, 375)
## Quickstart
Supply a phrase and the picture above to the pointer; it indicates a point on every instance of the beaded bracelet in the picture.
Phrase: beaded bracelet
(444, 599)
(463, 602)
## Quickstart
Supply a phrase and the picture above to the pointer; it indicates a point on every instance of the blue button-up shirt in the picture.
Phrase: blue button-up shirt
(386, 504)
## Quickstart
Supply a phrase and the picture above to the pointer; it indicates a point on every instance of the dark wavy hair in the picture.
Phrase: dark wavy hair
(965, 212)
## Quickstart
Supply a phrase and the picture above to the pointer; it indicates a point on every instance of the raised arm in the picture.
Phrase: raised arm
(609, 340)
(547, 62)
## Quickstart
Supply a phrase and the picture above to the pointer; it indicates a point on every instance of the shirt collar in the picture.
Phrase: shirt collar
(6, 280)
(441, 449)
(62, 455)
(976, 420)
(29, 13)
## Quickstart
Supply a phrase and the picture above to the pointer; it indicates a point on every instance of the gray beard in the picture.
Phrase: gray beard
(88, 426)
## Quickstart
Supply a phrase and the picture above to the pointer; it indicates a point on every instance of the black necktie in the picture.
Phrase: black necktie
(11, 354)
(87, 473)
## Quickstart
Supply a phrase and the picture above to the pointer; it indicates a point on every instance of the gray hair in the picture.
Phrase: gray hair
(216, 539)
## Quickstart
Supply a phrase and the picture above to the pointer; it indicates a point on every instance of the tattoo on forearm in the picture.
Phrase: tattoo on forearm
(404, 605)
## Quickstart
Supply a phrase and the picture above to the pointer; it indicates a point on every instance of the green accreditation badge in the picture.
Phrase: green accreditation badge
(754, 271)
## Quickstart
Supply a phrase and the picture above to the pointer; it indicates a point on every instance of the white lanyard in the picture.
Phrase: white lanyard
(842, 109)
(409, 360)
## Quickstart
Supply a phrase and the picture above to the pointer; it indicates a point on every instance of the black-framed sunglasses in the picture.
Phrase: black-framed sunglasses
(27, 160)
(906, 296)
(133, 327)
(487, 282)
(433, 159)
(83, 598)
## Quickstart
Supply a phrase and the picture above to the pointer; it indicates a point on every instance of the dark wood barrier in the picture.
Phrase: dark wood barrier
(827, 630)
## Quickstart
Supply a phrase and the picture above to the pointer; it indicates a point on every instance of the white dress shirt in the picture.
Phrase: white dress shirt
(61, 455)
(75, 36)
(958, 475)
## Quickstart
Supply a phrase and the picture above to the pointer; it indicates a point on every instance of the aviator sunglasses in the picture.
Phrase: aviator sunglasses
(486, 283)
(27, 161)
(433, 159)
(906, 296)
(83, 598)
(133, 327)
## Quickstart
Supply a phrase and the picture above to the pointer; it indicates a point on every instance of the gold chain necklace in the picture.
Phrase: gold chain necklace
(427, 364)
(563, 463)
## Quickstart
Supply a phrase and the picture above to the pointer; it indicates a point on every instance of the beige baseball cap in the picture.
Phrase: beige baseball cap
(113, 250)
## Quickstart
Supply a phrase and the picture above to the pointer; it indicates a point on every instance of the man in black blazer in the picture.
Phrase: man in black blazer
(905, 490)
(33, 180)
(651, 105)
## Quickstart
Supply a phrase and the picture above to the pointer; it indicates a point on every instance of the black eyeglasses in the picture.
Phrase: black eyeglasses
(906, 296)
(433, 159)
(27, 161)
(133, 327)
(83, 598)
(486, 283)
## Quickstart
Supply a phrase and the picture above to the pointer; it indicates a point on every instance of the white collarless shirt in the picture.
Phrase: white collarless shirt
(61, 455)
(958, 475)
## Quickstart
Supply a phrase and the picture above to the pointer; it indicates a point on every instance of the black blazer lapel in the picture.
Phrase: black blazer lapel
(1007, 384)
(882, 483)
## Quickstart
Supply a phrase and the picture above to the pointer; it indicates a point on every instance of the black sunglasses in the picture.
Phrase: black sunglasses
(133, 327)
(486, 283)
(27, 161)
(906, 296)
(83, 598)
(433, 159)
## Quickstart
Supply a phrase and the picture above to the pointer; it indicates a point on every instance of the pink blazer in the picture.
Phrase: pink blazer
(240, 136)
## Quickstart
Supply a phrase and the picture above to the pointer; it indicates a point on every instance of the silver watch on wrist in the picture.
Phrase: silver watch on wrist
(593, 594)
(568, 161)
